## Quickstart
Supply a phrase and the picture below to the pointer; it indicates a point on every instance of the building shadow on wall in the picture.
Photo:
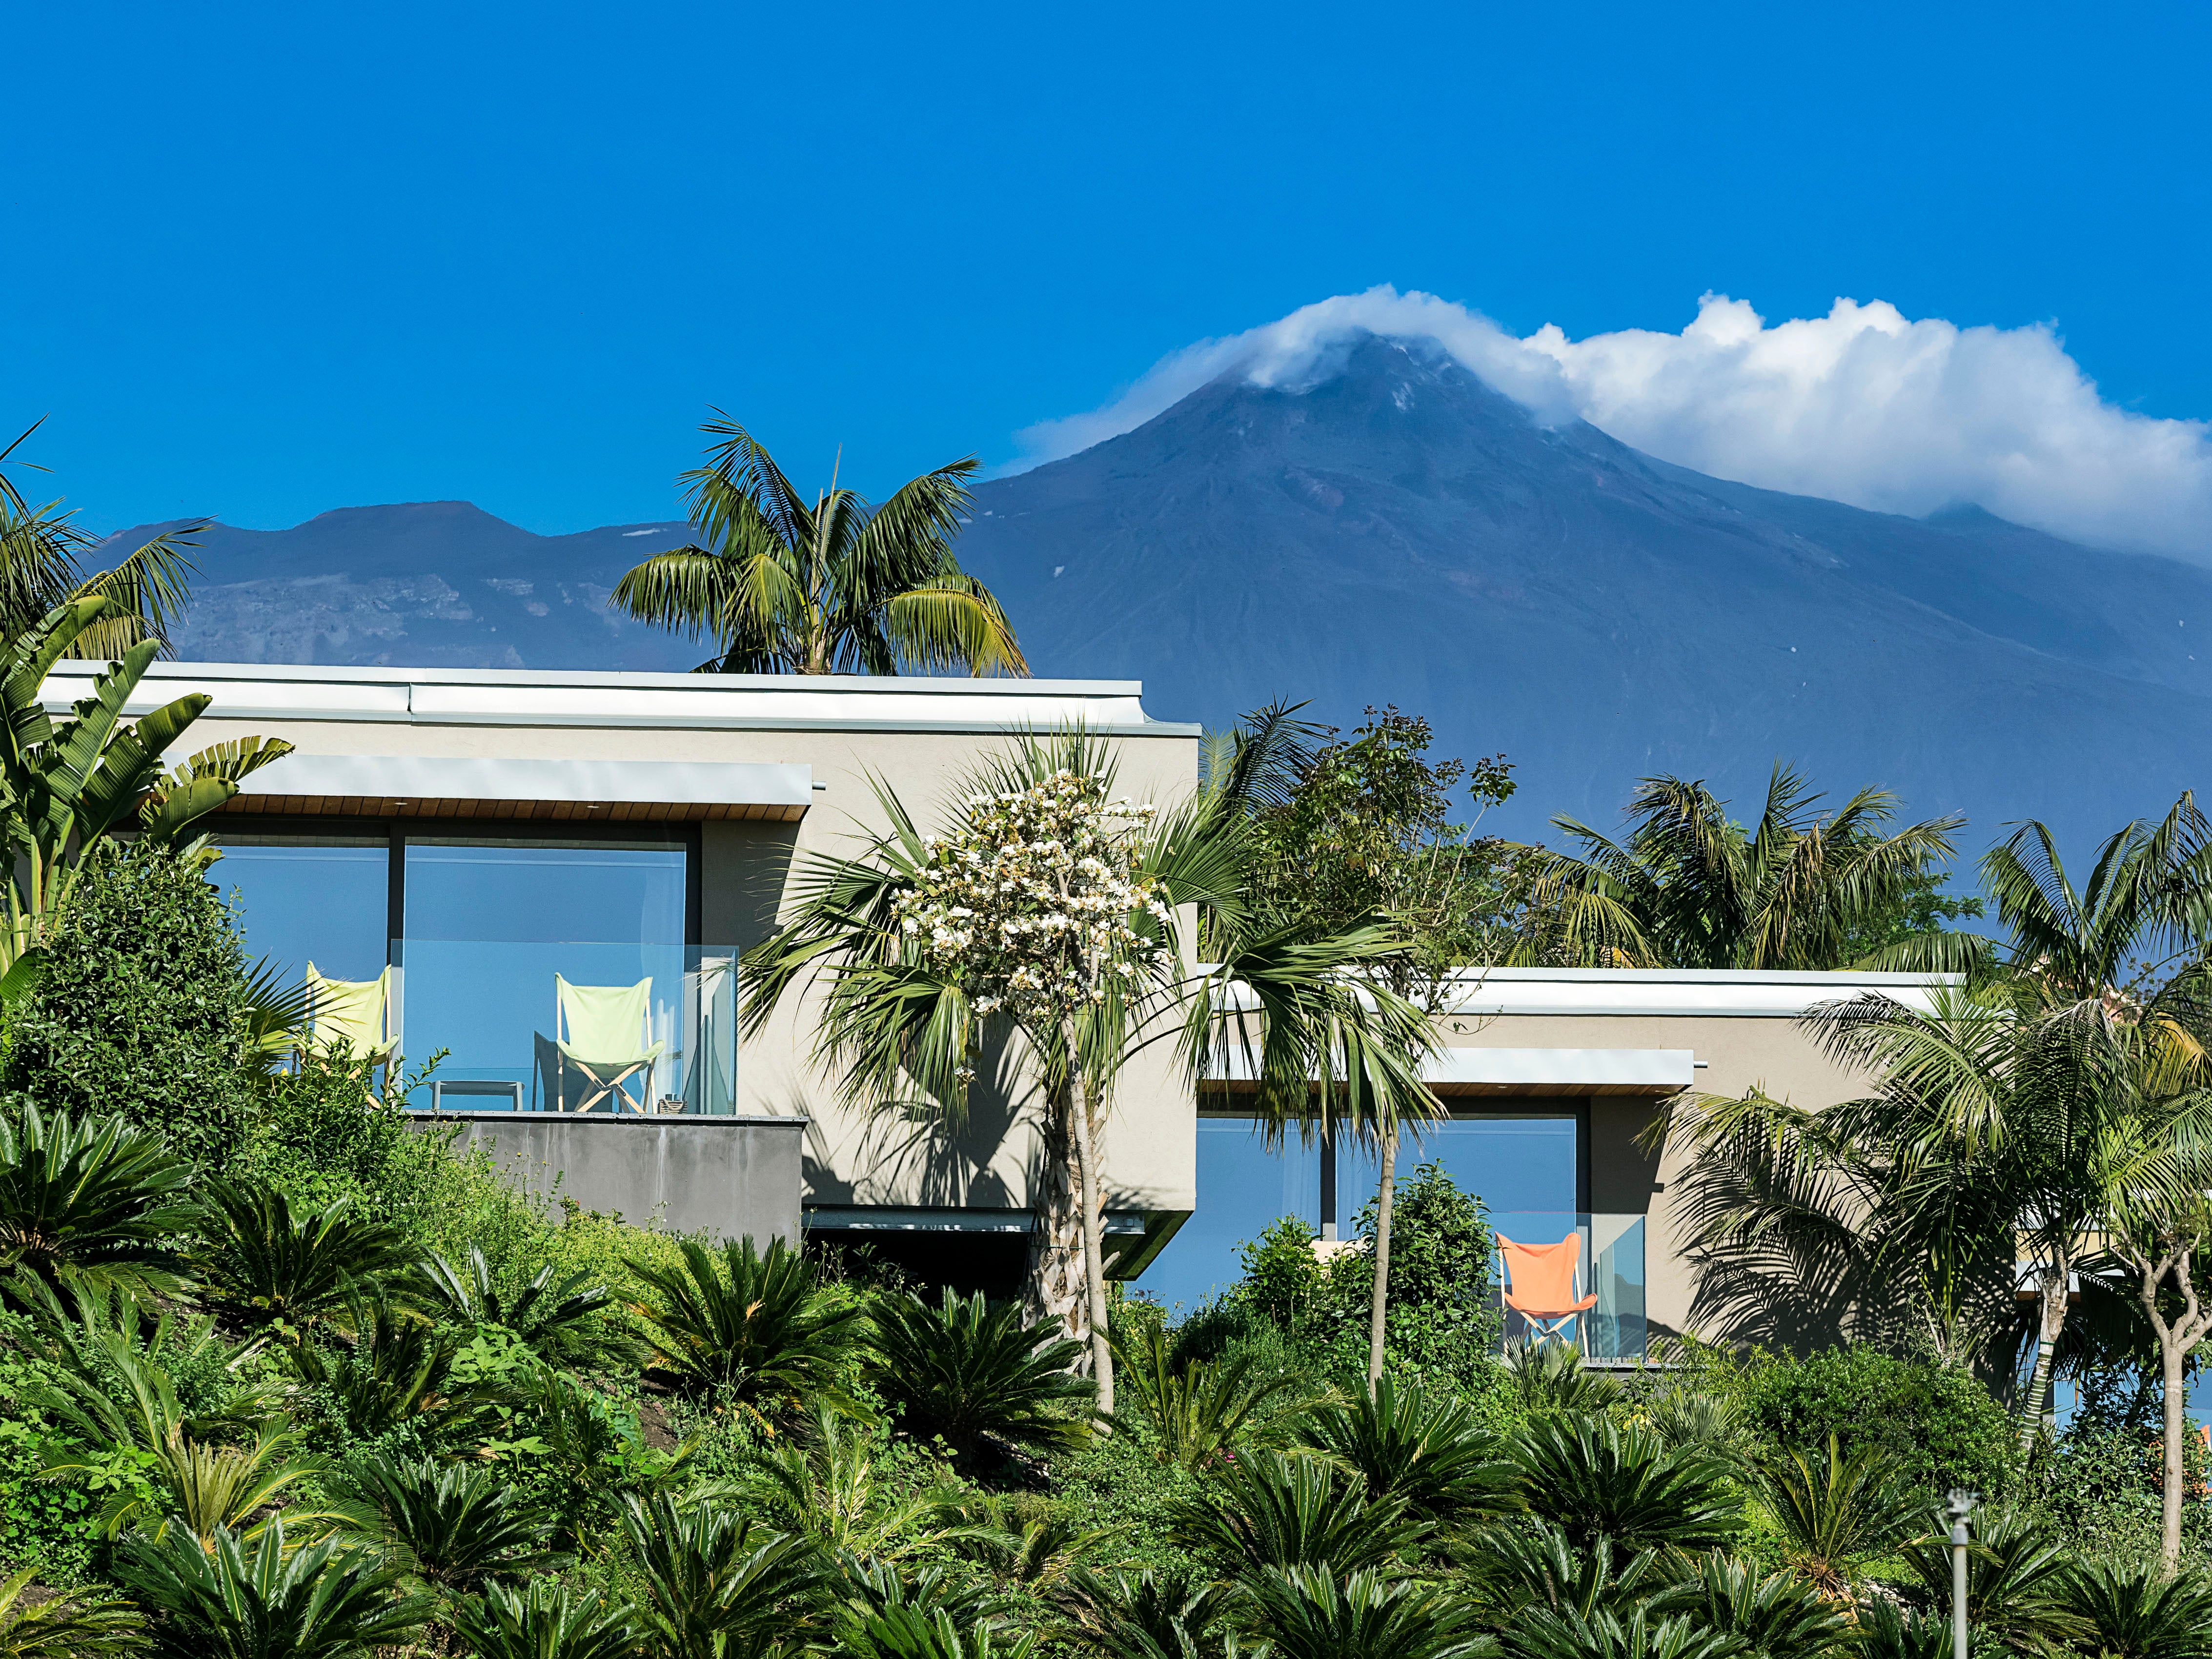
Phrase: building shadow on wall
(921, 1148)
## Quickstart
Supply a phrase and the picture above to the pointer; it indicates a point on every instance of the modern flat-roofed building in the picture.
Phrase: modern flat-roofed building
(548, 877)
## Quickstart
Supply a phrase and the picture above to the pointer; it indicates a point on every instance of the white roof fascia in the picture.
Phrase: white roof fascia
(423, 777)
(1706, 993)
(249, 691)
(1565, 1070)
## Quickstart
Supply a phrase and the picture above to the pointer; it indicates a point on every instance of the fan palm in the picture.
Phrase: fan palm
(232, 1599)
(756, 1324)
(966, 1371)
(1689, 888)
(42, 565)
(837, 587)
(1595, 1479)
(273, 1265)
(545, 1620)
(89, 1199)
(77, 1623)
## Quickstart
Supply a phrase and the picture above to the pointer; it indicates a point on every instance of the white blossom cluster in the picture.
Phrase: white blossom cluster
(1033, 902)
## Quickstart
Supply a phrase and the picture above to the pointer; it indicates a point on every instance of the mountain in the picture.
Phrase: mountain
(1400, 532)
(423, 585)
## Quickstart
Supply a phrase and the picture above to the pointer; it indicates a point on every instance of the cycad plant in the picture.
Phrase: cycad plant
(1836, 1512)
(383, 1369)
(836, 587)
(275, 1266)
(1312, 1613)
(1202, 1411)
(1639, 1633)
(827, 1484)
(2140, 1611)
(231, 1598)
(1594, 1479)
(716, 1586)
(754, 1326)
(967, 1371)
(1268, 1510)
(2017, 1580)
(910, 1633)
(560, 1317)
(1776, 1615)
(452, 1528)
(75, 1623)
(1151, 1615)
(89, 1200)
(1425, 1448)
(545, 1620)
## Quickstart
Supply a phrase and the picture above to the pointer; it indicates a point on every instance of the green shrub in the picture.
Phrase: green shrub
(143, 1011)
(1939, 1427)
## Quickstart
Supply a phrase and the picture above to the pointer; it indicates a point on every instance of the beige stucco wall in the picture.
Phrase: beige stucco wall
(854, 1157)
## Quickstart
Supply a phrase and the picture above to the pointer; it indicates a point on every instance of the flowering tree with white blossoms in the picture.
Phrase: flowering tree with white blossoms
(1051, 907)
(1037, 907)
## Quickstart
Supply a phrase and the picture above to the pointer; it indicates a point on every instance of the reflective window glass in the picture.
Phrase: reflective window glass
(323, 901)
(528, 890)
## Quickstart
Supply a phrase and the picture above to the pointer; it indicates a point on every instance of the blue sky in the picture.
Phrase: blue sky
(270, 261)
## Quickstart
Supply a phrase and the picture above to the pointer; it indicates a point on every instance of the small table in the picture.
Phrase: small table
(440, 1087)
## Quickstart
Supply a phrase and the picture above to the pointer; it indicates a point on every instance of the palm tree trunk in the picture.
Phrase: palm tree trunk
(2175, 1340)
(1377, 1319)
(1055, 1292)
(2051, 1284)
(2170, 1357)
(1094, 1264)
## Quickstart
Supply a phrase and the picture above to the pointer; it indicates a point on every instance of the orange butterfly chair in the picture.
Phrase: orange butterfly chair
(1540, 1285)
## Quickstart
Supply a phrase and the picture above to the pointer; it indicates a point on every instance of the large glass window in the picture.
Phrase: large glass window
(1523, 1167)
(531, 890)
(324, 900)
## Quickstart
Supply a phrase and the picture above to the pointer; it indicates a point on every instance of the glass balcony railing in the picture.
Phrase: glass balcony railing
(573, 1026)
(1604, 1259)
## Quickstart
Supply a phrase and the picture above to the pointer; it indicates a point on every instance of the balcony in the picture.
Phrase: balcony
(1606, 1262)
(576, 1027)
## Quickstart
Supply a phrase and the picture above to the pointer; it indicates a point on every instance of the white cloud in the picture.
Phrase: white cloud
(1861, 405)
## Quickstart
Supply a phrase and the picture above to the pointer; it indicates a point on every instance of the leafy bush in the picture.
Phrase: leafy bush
(143, 1008)
(1936, 1427)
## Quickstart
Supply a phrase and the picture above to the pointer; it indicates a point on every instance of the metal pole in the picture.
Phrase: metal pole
(1961, 1505)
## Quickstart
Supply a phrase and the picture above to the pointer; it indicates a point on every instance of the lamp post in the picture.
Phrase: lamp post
(1959, 1507)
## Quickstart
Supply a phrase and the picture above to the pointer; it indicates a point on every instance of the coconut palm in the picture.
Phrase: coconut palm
(1687, 888)
(233, 1598)
(90, 1200)
(968, 1372)
(753, 1323)
(836, 587)
(42, 565)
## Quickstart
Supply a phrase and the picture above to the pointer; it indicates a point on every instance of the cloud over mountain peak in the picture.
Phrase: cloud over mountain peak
(1864, 405)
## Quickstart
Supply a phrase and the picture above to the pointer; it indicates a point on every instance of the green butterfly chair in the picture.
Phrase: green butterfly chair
(603, 1035)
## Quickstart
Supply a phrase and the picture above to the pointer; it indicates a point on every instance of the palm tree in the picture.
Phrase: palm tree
(1687, 888)
(838, 587)
(905, 1022)
(42, 568)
